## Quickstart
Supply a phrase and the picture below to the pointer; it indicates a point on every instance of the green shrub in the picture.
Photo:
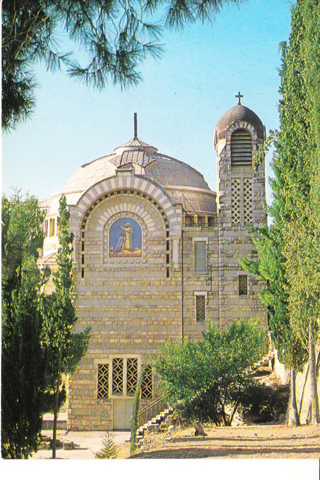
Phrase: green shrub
(208, 378)
(110, 449)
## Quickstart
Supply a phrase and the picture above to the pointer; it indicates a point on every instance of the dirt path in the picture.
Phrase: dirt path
(277, 441)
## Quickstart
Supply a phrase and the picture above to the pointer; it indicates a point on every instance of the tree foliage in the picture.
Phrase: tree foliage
(289, 250)
(215, 365)
(39, 344)
(135, 412)
(65, 346)
(23, 359)
(270, 266)
(115, 36)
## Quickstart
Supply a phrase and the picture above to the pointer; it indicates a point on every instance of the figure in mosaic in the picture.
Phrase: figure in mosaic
(120, 243)
(129, 236)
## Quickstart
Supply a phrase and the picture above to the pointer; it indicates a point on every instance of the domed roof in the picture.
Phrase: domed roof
(180, 180)
(235, 114)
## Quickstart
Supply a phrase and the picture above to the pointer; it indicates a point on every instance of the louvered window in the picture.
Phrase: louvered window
(241, 148)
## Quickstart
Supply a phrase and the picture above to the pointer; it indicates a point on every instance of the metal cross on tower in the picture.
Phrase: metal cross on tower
(239, 96)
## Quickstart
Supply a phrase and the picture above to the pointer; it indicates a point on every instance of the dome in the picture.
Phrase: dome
(236, 114)
(182, 182)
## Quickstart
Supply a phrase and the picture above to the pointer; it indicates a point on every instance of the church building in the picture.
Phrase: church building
(156, 255)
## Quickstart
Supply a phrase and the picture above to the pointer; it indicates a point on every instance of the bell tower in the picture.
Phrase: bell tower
(241, 204)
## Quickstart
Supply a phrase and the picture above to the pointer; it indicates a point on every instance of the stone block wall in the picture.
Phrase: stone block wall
(133, 305)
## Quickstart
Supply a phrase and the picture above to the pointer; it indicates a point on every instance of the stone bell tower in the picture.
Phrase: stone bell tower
(241, 204)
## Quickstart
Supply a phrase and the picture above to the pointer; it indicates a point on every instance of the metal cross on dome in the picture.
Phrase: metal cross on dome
(239, 96)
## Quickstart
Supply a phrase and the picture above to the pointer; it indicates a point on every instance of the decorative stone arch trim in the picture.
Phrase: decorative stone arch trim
(125, 182)
(112, 211)
(242, 125)
(138, 208)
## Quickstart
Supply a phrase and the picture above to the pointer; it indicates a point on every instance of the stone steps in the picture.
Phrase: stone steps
(154, 423)
(263, 361)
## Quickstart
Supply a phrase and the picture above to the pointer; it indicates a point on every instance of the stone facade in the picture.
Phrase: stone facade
(241, 202)
(172, 266)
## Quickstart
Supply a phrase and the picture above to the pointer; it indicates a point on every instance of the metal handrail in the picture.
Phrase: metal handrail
(155, 402)
(147, 413)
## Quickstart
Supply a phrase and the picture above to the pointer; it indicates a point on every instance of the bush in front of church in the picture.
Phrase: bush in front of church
(208, 379)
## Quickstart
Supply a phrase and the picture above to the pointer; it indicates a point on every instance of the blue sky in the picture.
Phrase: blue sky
(179, 102)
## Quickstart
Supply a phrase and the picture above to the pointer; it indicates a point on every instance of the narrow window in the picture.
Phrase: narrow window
(52, 227)
(200, 257)
(189, 221)
(46, 228)
(200, 308)
(211, 221)
(132, 375)
(235, 200)
(103, 380)
(146, 387)
(243, 285)
(117, 376)
(201, 221)
(241, 148)
(247, 200)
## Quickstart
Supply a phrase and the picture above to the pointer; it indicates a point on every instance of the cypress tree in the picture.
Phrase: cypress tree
(302, 233)
(65, 346)
(289, 250)
(23, 359)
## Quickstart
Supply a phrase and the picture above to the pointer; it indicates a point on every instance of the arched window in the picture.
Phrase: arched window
(241, 148)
